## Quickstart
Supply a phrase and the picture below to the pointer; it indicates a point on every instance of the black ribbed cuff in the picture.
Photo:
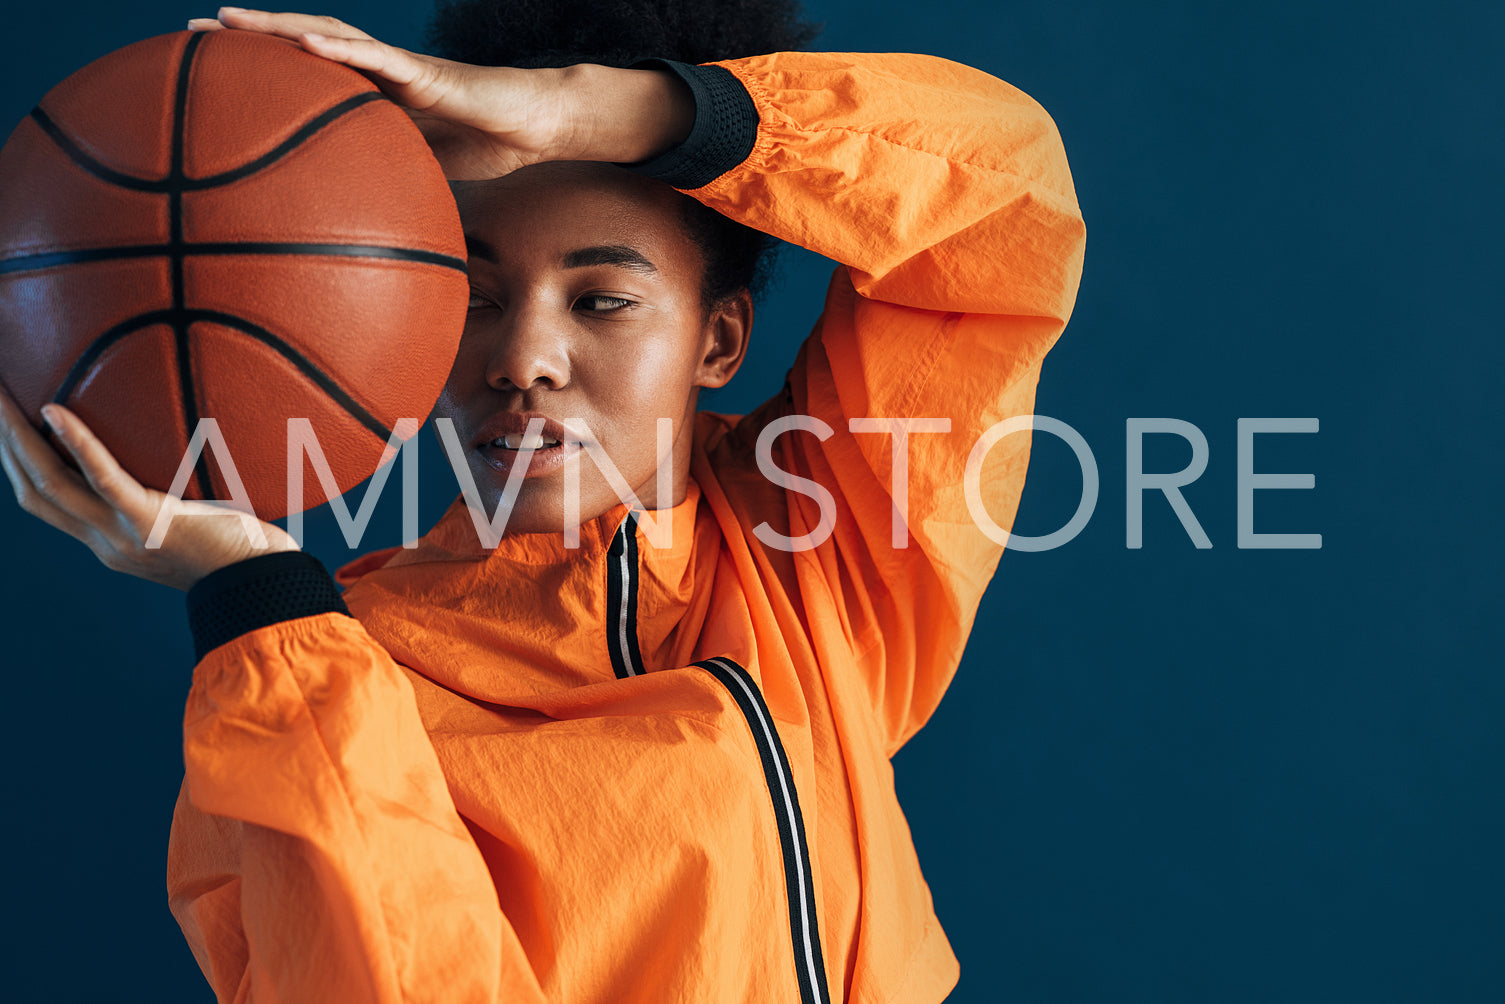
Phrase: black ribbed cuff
(725, 129)
(256, 593)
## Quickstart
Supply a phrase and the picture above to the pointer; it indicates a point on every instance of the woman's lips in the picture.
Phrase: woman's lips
(504, 424)
(510, 438)
(540, 461)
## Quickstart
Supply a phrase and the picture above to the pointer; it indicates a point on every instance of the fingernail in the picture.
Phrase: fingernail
(232, 10)
(50, 417)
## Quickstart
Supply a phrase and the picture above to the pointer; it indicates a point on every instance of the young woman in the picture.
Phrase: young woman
(638, 750)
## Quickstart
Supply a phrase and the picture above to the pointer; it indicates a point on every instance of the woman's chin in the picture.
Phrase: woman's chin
(539, 506)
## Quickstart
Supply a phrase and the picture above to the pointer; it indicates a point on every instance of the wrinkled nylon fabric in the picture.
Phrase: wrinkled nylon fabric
(451, 796)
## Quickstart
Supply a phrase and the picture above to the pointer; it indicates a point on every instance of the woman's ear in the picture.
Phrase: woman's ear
(725, 341)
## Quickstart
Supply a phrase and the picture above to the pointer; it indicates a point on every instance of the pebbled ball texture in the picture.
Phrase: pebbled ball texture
(224, 226)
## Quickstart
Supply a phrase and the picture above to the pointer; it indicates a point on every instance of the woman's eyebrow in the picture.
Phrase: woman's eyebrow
(619, 255)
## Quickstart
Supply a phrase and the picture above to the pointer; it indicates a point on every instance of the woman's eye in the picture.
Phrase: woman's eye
(478, 302)
(596, 303)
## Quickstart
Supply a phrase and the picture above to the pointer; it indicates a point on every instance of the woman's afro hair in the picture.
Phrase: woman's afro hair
(533, 34)
(539, 33)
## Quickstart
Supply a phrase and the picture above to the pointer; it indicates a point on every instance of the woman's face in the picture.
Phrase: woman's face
(585, 311)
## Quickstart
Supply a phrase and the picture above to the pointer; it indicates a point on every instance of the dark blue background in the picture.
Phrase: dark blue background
(1164, 774)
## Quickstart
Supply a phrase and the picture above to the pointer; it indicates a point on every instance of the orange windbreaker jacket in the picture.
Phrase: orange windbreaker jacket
(633, 774)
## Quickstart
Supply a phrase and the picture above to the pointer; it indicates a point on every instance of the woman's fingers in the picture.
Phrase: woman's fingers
(44, 485)
(407, 74)
(114, 514)
(287, 25)
(396, 66)
(33, 501)
(102, 471)
(506, 117)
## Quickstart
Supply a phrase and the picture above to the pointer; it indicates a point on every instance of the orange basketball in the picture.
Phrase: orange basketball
(224, 226)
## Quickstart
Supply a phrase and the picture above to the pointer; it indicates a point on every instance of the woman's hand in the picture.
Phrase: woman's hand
(114, 513)
(486, 121)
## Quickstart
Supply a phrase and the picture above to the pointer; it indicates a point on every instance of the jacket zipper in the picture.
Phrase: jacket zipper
(622, 601)
(799, 883)
(627, 660)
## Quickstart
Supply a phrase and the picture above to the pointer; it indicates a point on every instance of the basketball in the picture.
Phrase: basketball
(224, 226)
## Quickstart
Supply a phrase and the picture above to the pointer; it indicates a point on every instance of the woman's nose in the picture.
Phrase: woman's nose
(528, 350)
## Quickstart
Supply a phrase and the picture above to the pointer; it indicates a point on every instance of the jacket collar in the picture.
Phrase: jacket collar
(454, 538)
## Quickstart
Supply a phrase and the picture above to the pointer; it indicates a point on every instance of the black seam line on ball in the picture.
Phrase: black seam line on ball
(88, 163)
(52, 259)
(335, 392)
(120, 179)
(175, 256)
(97, 348)
(337, 250)
(286, 147)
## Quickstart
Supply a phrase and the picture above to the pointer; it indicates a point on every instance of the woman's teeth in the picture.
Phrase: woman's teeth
(523, 441)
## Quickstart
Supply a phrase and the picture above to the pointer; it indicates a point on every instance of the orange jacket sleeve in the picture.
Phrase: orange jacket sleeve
(946, 196)
(316, 854)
